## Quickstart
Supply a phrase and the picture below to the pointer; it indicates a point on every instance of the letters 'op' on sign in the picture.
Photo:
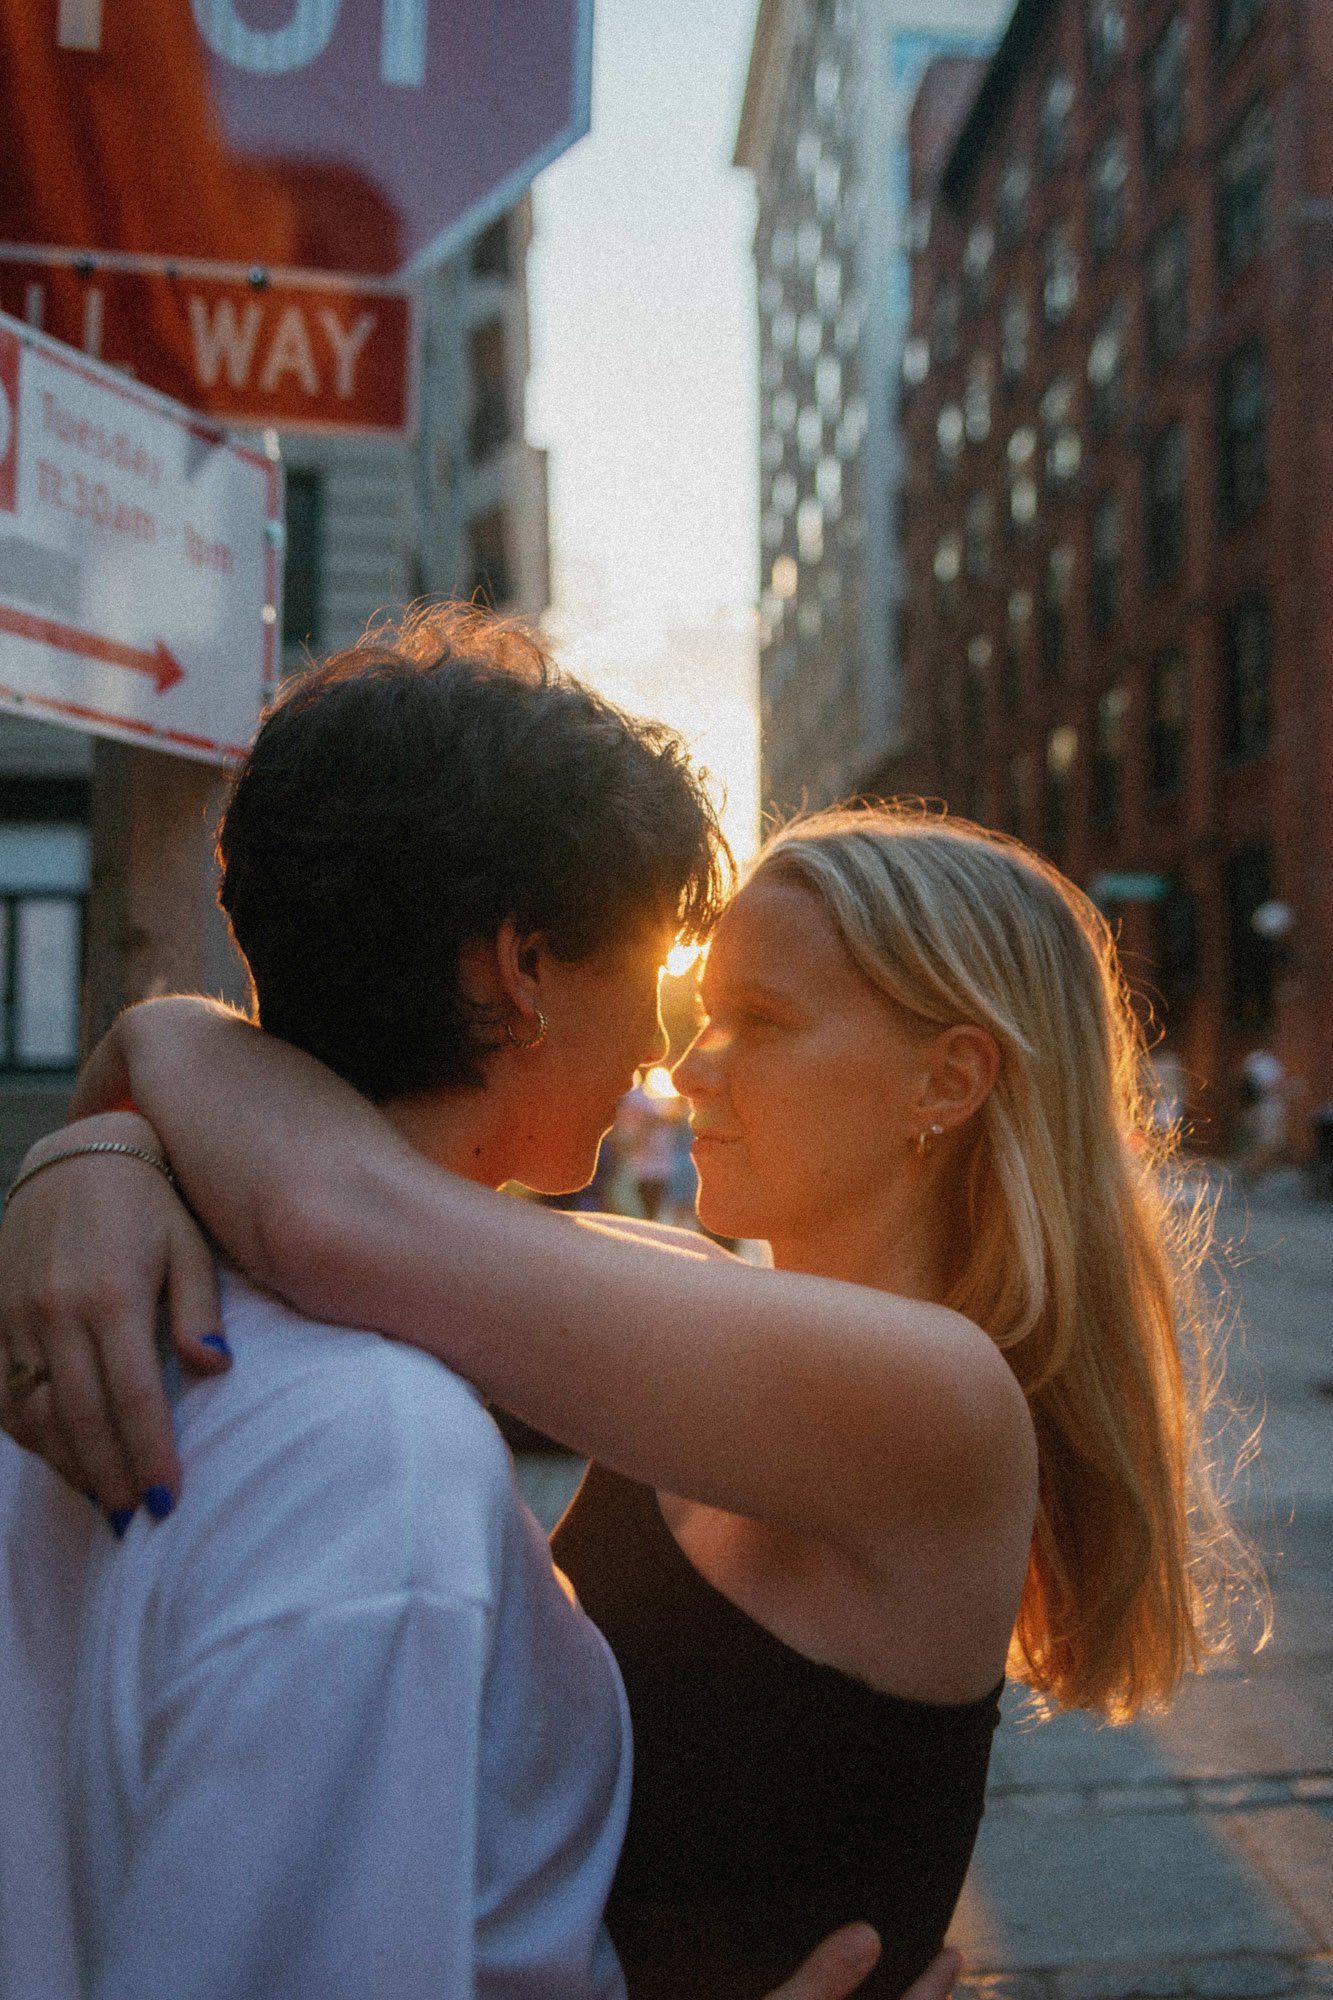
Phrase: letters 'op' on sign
(360, 136)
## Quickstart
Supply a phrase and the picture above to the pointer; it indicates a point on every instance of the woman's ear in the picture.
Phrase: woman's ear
(964, 1062)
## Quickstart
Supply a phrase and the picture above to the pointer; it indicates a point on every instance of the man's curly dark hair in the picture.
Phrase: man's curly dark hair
(406, 796)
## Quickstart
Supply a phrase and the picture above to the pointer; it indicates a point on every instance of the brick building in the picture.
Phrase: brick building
(1118, 409)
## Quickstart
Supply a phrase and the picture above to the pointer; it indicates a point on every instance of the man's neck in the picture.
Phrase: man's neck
(454, 1129)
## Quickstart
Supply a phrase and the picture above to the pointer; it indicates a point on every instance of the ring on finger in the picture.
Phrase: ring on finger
(24, 1378)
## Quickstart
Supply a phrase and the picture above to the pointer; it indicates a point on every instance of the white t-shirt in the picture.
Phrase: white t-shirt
(333, 1729)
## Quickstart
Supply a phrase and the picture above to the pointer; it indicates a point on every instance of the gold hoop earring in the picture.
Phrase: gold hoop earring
(923, 1138)
(535, 1041)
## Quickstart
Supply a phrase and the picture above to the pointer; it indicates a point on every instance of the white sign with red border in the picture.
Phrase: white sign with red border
(139, 558)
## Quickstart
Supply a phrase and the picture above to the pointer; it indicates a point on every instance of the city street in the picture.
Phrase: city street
(1189, 1855)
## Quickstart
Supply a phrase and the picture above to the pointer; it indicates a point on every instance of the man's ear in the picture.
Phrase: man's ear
(517, 960)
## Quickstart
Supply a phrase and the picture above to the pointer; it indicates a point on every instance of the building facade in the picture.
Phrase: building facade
(824, 131)
(459, 510)
(1119, 422)
(371, 524)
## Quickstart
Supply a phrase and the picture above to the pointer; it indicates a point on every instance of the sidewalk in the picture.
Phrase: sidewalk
(1193, 1854)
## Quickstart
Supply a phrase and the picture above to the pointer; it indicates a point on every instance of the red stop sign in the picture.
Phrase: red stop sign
(365, 136)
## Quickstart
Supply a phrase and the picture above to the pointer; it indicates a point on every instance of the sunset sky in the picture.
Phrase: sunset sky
(643, 383)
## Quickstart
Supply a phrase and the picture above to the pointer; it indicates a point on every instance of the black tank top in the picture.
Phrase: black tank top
(773, 1798)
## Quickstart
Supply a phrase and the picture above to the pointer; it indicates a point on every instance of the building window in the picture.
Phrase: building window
(1164, 505)
(1011, 205)
(810, 531)
(1108, 759)
(1017, 778)
(1106, 370)
(947, 567)
(977, 398)
(303, 560)
(950, 430)
(1020, 452)
(1232, 21)
(1248, 886)
(1166, 288)
(1106, 36)
(490, 251)
(1108, 181)
(488, 559)
(1064, 450)
(1243, 433)
(1059, 291)
(1167, 709)
(1061, 757)
(978, 522)
(1014, 323)
(1104, 586)
(1053, 122)
(1247, 679)
(1164, 94)
(977, 254)
(1177, 949)
(975, 690)
(1017, 627)
(946, 322)
(490, 427)
(43, 888)
(1057, 591)
(1243, 172)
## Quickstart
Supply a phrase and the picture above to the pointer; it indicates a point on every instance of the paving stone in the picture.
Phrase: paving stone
(1070, 1751)
(1226, 1793)
(1246, 1976)
(1003, 1986)
(1292, 1847)
(1159, 1979)
(1129, 1886)
(1168, 1797)
(1049, 1802)
(1266, 1724)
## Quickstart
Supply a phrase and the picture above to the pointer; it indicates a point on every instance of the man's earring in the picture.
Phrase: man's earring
(535, 1041)
(923, 1139)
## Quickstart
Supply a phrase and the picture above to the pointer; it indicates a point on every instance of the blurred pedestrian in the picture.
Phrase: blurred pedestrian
(646, 1137)
(1166, 1092)
(1264, 1094)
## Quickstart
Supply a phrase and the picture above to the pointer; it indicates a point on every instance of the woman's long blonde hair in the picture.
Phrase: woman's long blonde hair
(1078, 1254)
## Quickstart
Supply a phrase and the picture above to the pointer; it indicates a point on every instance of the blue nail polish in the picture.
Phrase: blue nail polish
(217, 1342)
(120, 1520)
(159, 1500)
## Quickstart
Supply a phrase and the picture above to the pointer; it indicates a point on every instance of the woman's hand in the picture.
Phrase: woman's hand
(88, 1249)
(837, 1967)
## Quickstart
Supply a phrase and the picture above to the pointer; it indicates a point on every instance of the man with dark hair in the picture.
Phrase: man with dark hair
(404, 798)
(336, 1728)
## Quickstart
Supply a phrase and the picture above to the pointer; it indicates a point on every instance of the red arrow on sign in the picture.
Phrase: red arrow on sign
(162, 667)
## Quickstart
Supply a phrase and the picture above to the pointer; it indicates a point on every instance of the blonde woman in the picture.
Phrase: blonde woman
(960, 1426)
